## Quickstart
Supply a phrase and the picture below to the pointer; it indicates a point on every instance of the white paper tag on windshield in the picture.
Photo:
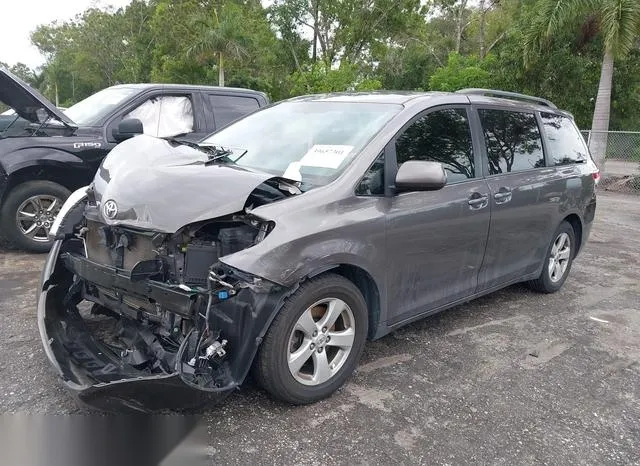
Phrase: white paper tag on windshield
(326, 156)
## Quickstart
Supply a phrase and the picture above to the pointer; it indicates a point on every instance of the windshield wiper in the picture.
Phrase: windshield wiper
(221, 154)
(213, 152)
(224, 154)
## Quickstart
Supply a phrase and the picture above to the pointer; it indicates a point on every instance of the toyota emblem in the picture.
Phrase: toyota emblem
(110, 209)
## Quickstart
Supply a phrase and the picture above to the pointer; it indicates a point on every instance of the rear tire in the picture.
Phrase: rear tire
(315, 341)
(558, 261)
(26, 198)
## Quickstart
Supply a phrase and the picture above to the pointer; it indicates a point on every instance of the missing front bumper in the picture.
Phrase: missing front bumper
(97, 374)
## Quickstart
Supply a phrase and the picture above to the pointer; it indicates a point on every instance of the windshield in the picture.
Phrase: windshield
(312, 142)
(91, 110)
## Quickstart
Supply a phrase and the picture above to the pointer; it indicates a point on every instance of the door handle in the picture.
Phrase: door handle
(502, 196)
(478, 201)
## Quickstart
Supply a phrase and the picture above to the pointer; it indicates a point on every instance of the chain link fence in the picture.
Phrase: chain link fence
(621, 171)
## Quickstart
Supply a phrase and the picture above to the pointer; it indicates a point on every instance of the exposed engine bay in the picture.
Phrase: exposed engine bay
(127, 304)
(149, 332)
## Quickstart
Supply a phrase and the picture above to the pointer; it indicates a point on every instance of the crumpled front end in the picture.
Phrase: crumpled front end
(146, 321)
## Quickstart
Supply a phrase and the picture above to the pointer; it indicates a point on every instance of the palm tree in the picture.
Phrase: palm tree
(50, 76)
(220, 36)
(619, 22)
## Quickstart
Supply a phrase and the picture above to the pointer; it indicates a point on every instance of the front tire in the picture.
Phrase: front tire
(315, 341)
(558, 260)
(28, 212)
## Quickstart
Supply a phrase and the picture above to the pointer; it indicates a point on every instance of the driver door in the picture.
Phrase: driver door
(436, 239)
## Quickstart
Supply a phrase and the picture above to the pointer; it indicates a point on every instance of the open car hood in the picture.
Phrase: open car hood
(27, 102)
(151, 184)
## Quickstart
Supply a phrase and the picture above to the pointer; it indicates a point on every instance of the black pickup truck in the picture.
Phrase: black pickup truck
(45, 153)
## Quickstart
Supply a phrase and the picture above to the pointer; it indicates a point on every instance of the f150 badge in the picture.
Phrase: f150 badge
(92, 145)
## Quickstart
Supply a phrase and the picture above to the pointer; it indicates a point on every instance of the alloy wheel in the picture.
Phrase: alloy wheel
(321, 341)
(560, 256)
(35, 216)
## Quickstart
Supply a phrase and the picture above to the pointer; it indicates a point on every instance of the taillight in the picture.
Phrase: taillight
(596, 176)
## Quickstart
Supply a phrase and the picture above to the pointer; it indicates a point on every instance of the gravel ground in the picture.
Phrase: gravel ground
(511, 378)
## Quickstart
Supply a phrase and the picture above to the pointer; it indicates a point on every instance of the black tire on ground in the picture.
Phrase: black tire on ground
(20, 193)
(271, 369)
(544, 283)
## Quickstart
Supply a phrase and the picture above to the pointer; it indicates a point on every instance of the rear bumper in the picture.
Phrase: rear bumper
(587, 223)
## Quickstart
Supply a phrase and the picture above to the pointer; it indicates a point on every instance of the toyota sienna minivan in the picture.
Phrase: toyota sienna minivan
(284, 241)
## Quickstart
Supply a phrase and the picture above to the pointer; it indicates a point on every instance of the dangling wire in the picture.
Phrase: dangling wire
(206, 317)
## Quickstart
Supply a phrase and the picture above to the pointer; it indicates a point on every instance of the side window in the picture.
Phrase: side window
(165, 116)
(440, 136)
(565, 143)
(513, 141)
(372, 184)
(228, 108)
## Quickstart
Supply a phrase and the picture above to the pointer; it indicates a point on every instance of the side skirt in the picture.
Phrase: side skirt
(402, 323)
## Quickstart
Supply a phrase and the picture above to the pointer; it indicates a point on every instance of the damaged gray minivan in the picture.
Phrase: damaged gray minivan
(286, 240)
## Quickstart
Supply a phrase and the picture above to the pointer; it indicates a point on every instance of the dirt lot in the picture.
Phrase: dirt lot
(512, 378)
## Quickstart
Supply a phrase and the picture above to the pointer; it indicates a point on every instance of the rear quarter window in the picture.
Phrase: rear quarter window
(565, 143)
(228, 108)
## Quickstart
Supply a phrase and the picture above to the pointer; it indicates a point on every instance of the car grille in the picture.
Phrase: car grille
(140, 248)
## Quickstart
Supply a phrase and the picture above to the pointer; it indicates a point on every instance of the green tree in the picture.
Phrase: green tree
(219, 35)
(619, 24)
(457, 14)
(98, 48)
(359, 44)
(347, 30)
(407, 65)
(185, 32)
(24, 72)
(321, 79)
(462, 72)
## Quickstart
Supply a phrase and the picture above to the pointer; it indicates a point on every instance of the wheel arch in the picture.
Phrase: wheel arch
(366, 284)
(576, 223)
(70, 177)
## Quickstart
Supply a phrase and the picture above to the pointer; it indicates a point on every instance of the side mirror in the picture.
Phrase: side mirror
(127, 129)
(420, 175)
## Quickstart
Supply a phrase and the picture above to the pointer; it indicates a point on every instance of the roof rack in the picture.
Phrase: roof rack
(508, 95)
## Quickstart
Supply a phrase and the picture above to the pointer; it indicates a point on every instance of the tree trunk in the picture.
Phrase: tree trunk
(483, 16)
(56, 88)
(221, 70)
(295, 55)
(315, 31)
(459, 26)
(600, 123)
(459, 33)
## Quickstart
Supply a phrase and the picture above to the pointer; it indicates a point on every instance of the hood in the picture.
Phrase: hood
(27, 102)
(149, 183)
